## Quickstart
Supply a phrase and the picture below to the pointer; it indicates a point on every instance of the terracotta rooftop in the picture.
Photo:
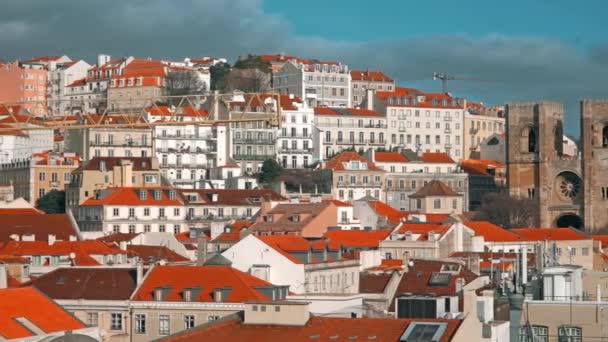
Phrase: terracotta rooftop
(131, 196)
(118, 237)
(42, 312)
(357, 238)
(96, 283)
(231, 197)
(373, 283)
(338, 162)
(153, 254)
(367, 75)
(390, 157)
(436, 157)
(550, 234)
(39, 225)
(423, 229)
(306, 213)
(492, 232)
(391, 214)
(435, 188)
(139, 163)
(206, 278)
(318, 328)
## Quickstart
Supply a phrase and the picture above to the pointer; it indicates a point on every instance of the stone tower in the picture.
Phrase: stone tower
(594, 147)
(537, 168)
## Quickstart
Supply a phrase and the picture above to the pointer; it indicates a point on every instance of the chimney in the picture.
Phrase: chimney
(3, 277)
(140, 271)
(123, 245)
(406, 261)
(52, 239)
(370, 98)
(126, 168)
(315, 199)
(201, 255)
(460, 283)
(102, 59)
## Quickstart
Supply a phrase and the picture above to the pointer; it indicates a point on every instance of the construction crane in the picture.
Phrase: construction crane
(444, 77)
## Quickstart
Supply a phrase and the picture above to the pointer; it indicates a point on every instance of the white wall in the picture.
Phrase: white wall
(252, 251)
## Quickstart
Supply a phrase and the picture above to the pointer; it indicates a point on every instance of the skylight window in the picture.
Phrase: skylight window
(417, 332)
(439, 279)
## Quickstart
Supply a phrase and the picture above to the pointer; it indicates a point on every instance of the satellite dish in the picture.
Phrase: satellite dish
(411, 264)
(72, 255)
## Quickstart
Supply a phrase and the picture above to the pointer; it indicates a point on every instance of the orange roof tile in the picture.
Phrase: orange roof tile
(130, 196)
(384, 210)
(42, 312)
(357, 238)
(435, 188)
(338, 203)
(491, 232)
(551, 234)
(390, 157)
(208, 278)
(20, 211)
(153, 254)
(436, 157)
(603, 239)
(337, 163)
(366, 75)
(423, 228)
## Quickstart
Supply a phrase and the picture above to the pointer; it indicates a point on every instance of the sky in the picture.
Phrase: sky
(508, 52)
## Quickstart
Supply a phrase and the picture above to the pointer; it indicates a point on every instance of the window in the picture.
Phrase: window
(116, 229)
(92, 319)
(116, 321)
(188, 322)
(131, 212)
(163, 325)
(215, 318)
(162, 228)
(131, 229)
(41, 176)
(161, 212)
(534, 333)
(437, 204)
(41, 192)
(585, 251)
(175, 211)
(569, 334)
(146, 211)
(140, 323)
(147, 228)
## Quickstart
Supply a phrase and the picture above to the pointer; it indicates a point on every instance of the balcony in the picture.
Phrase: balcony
(55, 184)
(297, 136)
(132, 218)
(358, 142)
(120, 143)
(296, 151)
(253, 141)
(360, 184)
(448, 130)
(187, 150)
(343, 125)
(260, 157)
(185, 136)
(448, 146)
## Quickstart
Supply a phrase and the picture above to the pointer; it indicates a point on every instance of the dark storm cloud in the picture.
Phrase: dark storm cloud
(506, 68)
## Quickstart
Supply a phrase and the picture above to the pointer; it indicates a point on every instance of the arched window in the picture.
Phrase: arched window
(605, 136)
(531, 140)
(559, 138)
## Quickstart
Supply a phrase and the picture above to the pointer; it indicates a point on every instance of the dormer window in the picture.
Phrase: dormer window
(143, 194)
(187, 295)
(294, 218)
(157, 195)
(159, 294)
(444, 102)
(172, 195)
(268, 218)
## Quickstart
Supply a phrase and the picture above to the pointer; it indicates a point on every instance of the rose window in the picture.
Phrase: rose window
(569, 185)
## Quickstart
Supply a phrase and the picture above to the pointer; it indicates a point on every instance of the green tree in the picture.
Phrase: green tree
(253, 62)
(508, 212)
(219, 72)
(270, 171)
(183, 83)
(52, 203)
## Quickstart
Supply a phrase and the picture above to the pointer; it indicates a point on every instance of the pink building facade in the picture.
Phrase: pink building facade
(24, 84)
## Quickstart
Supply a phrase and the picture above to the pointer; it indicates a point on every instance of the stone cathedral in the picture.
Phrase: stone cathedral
(570, 191)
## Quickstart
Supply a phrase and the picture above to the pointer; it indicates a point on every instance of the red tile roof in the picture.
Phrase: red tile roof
(233, 234)
(357, 238)
(346, 112)
(373, 282)
(285, 244)
(83, 250)
(435, 188)
(187, 111)
(38, 225)
(337, 163)
(208, 278)
(372, 76)
(338, 203)
(428, 100)
(252, 101)
(78, 83)
(551, 234)
(153, 254)
(603, 239)
(20, 211)
(94, 283)
(29, 303)
(118, 237)
(491, 232)
(423, 229)
(384, 210)
(479, 167)
(130, 196)
(416, 280)
(388, 265)
(139, 163)
(436, 157)
(316, 329)
(390, 157)
(232, 197)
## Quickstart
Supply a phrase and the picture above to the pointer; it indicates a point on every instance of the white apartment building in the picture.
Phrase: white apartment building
(20, 145)
(131, 210)
(93, 96)
(60, 78)
(347, 128)
(426, 122)
(406, 173)
(480, 123)
(297, 137)
(185, 152)
(325, 84)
